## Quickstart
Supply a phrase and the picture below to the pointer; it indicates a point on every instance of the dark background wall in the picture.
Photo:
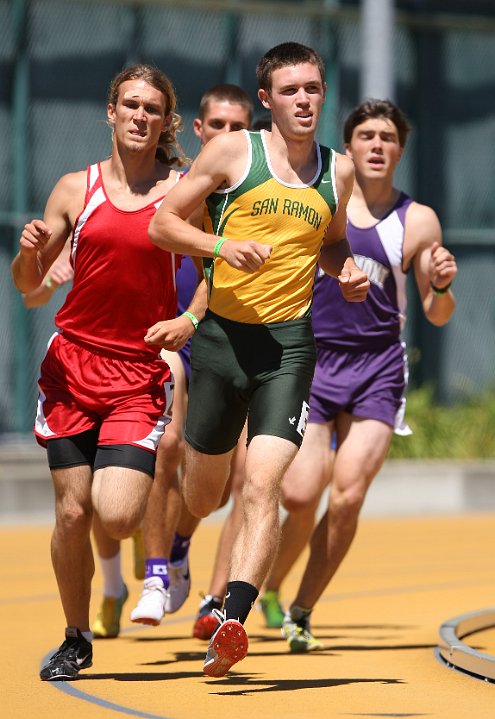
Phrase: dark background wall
(58, 57)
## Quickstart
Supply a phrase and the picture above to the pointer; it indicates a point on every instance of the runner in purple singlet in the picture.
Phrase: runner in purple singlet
(361, 373)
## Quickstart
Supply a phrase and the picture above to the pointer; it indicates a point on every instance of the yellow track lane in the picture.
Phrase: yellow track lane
(379, 621)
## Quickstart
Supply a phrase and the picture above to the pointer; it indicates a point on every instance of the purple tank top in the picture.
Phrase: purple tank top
(377, 322)
(186, 280)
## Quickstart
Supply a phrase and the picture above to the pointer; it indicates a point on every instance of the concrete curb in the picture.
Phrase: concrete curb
(402, 487)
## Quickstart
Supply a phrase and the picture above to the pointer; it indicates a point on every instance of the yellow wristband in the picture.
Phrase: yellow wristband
(192, 318)
(49, 283)
(219, 243)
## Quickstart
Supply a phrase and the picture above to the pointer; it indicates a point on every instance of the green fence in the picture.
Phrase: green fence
(58, 56)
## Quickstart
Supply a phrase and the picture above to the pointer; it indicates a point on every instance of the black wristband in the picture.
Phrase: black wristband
(440, 290)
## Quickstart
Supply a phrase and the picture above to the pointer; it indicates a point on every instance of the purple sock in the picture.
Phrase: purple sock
(180, 547)
(157, 567)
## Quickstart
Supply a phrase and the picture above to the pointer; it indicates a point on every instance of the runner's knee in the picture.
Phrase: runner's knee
(347, 503)
(301, 499)
(171, 448)
(73, 516)
(118, 525)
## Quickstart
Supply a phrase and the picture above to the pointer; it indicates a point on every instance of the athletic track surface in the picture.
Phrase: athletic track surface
(379, 621)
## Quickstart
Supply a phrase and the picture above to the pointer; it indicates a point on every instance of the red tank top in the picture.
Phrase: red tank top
(122, 284)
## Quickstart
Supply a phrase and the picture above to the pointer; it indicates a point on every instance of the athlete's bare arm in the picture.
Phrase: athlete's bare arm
(336, 256)
(433, 264)
(173, 334)
(220, 163)
(59, 273)
(42, 241)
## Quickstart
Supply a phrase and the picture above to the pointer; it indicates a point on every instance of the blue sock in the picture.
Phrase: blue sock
(157, 567)
(180, 548)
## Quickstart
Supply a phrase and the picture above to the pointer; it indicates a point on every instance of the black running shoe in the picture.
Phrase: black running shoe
(73, 655)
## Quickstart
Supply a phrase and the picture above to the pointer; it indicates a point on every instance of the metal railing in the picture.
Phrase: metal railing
(458, 653)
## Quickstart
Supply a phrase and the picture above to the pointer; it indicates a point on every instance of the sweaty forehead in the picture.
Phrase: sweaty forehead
(377, 124)
(141, 91)
(227, 111)
(301, 73)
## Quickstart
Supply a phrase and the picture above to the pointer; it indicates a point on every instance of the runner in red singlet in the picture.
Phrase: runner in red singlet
(104, 390)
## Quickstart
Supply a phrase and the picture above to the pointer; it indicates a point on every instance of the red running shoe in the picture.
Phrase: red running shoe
(228, 646)
(207, 622)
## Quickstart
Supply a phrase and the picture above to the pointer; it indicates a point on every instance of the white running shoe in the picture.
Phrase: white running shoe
(150, 608)
(180, 585)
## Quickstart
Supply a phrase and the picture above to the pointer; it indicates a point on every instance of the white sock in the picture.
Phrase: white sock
(113, 584)
(88, 636)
